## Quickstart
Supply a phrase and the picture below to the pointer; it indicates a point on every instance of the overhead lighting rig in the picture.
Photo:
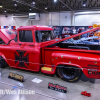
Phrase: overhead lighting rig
(30, 5)
(55, 1)
(33, 3)
(5, 10)
(46, 7)
(15, 3)
(84, 3)
(1, 5)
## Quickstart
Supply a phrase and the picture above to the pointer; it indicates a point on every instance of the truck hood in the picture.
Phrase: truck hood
(7, 34)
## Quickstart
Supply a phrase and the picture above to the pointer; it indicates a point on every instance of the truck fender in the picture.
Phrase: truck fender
(70, 64)
(4, 58)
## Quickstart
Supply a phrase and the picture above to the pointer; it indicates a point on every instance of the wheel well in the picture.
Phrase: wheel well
(72, 74)
(65, 66)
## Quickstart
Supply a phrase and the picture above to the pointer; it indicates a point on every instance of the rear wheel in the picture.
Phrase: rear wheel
(69, 73)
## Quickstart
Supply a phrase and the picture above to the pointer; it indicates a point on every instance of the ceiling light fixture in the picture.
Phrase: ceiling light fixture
(5, 11)
(1, 5)
(54, 0)
(84, 3)
(33, 3)
(15, 3)
(30, 8)
(46, 8)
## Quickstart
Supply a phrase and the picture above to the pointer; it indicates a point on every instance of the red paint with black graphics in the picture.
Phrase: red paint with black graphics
(48, 55)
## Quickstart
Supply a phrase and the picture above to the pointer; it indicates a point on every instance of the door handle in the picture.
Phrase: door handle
(31, 45)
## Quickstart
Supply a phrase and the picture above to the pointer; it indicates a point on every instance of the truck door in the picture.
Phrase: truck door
(25, 53)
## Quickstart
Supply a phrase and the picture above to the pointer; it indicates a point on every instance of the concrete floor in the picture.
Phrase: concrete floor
(41, 89)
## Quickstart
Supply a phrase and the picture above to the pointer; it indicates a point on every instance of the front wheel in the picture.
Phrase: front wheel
(69, 73)
(3, 63)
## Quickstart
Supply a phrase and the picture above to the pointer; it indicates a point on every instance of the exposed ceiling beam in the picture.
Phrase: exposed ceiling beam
(27, 4)
(66, 5)
(74, 4)
(90, 3)
(79, 5)
(94, 3)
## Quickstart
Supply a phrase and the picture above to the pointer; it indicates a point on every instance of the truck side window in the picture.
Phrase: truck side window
(44, 35)
(25, 36)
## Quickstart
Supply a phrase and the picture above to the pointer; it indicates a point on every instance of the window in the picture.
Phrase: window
(42, 36)
(25, 36)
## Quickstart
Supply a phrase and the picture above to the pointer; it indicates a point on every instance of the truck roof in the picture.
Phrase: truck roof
(36, 27)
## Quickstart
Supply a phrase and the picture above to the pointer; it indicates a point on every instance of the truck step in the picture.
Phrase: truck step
(47, 70)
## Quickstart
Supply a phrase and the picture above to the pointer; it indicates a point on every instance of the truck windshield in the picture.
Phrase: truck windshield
(42, 36)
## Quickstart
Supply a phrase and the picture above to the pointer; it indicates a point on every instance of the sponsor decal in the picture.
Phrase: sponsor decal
(57, 87)
(74, 79)
(21, 58)
(93, 73)
(93, 65)
(16, 77)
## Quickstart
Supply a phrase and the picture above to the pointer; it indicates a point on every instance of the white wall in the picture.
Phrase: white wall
(52, 19)
(5, 21)
(10, 21)
(43, 20)
(55, 19)
(65, 19)
(60, 18)
(20, 22)
(87, 18)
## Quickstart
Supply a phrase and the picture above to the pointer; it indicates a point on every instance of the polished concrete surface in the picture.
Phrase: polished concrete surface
(41, 89)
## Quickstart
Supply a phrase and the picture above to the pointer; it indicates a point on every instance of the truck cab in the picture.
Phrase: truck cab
(26, 50)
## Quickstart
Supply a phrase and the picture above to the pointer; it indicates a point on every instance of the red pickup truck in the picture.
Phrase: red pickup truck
(36, 49)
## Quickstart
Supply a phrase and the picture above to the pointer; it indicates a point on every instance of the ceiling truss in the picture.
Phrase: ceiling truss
(23, 6)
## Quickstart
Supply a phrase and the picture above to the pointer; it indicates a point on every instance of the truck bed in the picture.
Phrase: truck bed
(66, 45)
(72, 55)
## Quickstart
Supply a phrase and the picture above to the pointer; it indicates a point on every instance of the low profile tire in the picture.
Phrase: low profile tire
(69, 73)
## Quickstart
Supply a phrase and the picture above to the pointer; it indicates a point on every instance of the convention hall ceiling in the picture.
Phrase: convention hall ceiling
(25, 6)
